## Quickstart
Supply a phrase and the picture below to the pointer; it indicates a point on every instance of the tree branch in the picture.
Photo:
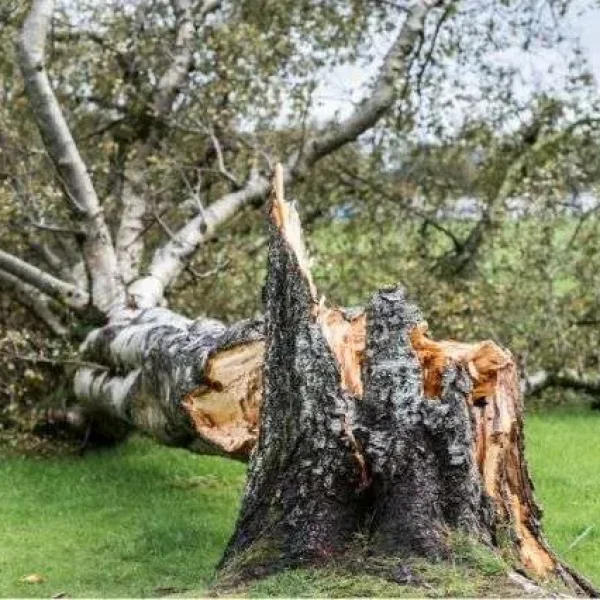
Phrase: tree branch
(107, 289)
(30, 298)
(391, 78)
(64, 292)
(53, 260)
(173, 78)
(169, 260)
(533, 385)
(468, 250)
(129, 241)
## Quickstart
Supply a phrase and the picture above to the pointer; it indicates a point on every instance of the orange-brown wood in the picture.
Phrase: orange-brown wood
(346, 338)
(483, 360)
(498, 449)
(225, 409)
(285, 217)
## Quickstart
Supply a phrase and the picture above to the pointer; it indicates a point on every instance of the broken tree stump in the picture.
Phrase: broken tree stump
(370, 427)
(356, 422)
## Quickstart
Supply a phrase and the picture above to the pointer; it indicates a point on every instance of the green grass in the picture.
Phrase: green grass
(143, 520)
(125, 522)
(564, 456)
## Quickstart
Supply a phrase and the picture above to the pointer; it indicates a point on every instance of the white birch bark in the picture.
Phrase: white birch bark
(31, 298)
(64, 292)
(108, 292)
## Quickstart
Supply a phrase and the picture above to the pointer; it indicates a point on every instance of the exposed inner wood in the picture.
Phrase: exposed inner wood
(346, 337)
(496, 406)
(226, 408)
(285, 217)
(499, 447)
(483, 360)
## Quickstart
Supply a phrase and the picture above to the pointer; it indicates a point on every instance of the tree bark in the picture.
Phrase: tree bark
(192, 384)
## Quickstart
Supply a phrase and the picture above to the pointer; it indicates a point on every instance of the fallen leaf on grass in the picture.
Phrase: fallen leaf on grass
(33, 578)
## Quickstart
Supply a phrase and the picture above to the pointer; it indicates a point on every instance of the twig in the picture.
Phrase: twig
(581, 536)
(221, 161)
(53, 361)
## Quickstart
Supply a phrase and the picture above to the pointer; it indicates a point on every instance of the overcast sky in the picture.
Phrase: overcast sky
(590, 35)
(339, 89)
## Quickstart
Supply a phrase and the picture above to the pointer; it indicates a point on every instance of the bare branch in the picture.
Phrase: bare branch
(53, 228)
(221, 161)
(569, 379)
(53, 260)
(30, 298)
(107, 288)
(170, 260)
(209, 6)
(53, 127)
(130, 240)
(64, 292)
(53, 361)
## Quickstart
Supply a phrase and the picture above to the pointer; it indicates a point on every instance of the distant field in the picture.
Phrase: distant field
(144, 520)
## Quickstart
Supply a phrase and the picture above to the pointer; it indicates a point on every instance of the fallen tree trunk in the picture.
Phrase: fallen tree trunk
(360, 423)
(193, 384)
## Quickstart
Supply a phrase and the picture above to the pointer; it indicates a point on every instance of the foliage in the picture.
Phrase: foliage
(172, 539)
(385, 209)
(30, 364)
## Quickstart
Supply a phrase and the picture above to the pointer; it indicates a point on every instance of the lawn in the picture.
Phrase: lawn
(564, 455)
(143, 520)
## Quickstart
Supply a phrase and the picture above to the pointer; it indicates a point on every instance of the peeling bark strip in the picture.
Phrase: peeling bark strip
(368, 426)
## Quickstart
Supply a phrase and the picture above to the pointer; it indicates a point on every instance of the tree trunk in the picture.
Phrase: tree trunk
(192, 384)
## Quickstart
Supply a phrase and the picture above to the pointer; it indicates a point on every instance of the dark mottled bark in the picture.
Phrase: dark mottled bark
(302, 497)
(420, 451)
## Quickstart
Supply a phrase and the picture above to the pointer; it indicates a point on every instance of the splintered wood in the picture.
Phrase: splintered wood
(483, 360)
(498, 445)
(225, 409)
(285, 217)
(345, 335)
